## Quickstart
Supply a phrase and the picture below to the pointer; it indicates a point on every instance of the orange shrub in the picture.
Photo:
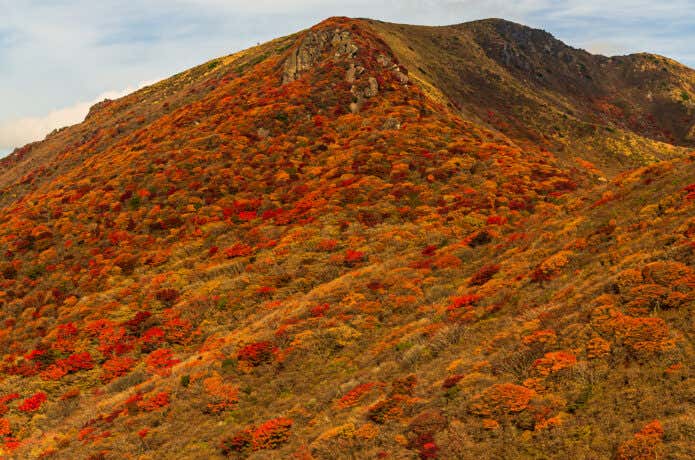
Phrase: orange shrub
(501, 399)
(269, 435)
(4, 427)
(225, 395)
(597, 348)
(551, 267)
(353, 396)
(540, 338)
(647, 335)
(645, 444)
(665, 272)
(554, 362)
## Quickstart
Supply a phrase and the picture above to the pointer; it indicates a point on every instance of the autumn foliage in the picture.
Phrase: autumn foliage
(309, 249)
(269, 435)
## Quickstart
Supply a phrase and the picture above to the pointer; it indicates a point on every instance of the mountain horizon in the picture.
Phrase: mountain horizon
(83, 112)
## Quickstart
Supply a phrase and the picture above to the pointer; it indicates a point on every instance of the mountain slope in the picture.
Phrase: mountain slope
(615, 112)
(303, 250)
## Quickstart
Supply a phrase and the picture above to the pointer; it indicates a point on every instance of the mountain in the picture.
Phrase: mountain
(364, 240)
(528, 84)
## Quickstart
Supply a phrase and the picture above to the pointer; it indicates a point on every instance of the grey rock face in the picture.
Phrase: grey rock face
(391, 123)
(311, 49)
(338, 46)
(373, 88)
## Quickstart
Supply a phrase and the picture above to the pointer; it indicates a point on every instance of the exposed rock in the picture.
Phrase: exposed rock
(403, 78)
(373, 88)
(263, 133)
(309, 52)
(362, 93)
(342, 44)
(384, 61)
(351, 73)
(391, 123)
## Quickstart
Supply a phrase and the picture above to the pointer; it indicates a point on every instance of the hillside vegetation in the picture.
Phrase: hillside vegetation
(365, 240)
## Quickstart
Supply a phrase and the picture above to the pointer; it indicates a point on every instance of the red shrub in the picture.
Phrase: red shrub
(167, 296)
(257, 353)
(238, 442)
(463, 301)
(353, 257)
(484, 275)
(78, 361)
(4, 427)
(247, 215)
(452, 380)
(319, 310)
(9, 397)
(116, 367)
(154, 402)
(691, 192)
(238, 250)
(327, 245)
(33, 403)
(134, 325)
(429, 250)
(152, 337)
(496, 220)
(161, 361)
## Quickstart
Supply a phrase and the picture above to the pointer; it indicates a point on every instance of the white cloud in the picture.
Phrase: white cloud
(605, 47)
(21, 131)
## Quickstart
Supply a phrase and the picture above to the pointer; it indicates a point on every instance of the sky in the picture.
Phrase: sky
(59, 57)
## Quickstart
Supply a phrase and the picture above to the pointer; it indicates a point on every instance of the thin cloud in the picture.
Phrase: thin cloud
(24, 130)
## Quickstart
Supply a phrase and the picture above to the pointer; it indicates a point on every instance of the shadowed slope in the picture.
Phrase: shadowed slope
(615, 112)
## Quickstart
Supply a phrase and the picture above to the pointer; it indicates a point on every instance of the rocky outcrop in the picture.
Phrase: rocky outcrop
(371, 87)
(391, 123)
(338, 45)
(312, 48)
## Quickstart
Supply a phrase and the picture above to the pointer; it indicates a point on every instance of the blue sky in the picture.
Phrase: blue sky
(57, 57)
